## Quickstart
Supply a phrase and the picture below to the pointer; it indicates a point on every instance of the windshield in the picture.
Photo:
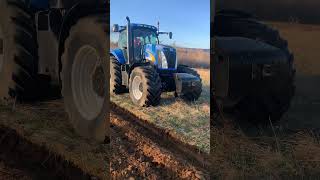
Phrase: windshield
(142, 36)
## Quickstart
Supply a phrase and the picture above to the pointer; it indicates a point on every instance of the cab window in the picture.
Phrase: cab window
(122, 43)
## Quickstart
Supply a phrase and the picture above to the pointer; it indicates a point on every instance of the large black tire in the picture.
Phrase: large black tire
(242, 25)
(195, 94)
(116, 86)
(85, 75)
(149, 85)
(18, 52)
(275, 101)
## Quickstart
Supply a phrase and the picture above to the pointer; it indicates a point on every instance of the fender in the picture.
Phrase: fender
(118, 54)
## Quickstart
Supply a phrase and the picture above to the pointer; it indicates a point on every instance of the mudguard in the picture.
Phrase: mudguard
(118, 54)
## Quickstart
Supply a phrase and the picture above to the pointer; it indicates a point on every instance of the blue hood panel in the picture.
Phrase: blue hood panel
(152, 54)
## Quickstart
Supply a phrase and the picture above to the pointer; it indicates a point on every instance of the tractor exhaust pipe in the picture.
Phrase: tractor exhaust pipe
(129, 43)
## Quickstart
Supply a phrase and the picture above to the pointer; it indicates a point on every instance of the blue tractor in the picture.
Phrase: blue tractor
(58, 47)
(147, 68)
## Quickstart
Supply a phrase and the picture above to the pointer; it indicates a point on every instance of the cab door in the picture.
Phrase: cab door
(122, 44)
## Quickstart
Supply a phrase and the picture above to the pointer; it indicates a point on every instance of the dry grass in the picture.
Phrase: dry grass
(188, 121)
(199, 58)
(236, 154)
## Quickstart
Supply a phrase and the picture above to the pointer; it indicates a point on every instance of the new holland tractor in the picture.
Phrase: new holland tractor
(58, 45)
(147, 68)
(253, 68)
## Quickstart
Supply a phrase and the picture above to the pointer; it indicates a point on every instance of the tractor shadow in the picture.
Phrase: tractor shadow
(303, 114)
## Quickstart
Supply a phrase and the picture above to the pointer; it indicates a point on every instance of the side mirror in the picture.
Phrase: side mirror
(170, 35)
(115, 28)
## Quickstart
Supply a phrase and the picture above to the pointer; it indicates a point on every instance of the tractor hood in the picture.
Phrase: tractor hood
(162, 56)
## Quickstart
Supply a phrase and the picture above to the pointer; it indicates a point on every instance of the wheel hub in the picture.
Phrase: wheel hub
(98, 81)
(1, 48)
(137, 87)
(88, 82)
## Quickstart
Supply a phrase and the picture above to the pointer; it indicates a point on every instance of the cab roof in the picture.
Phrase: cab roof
(135, 25)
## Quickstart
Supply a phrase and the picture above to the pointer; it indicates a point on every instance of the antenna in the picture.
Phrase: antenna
(158, 32)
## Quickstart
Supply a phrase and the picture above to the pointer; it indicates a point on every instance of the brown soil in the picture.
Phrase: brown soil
(38, 139)
(139, 153)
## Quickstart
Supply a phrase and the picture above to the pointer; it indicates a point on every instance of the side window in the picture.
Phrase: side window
(123, 39)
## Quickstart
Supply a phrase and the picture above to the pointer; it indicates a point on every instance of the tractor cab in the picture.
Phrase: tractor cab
(139, 43)
(141, 36)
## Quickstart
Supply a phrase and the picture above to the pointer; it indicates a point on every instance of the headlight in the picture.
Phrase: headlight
(164, 63)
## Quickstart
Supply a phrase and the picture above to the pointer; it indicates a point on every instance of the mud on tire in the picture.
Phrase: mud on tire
(148, 82)
(85, 77)
(18, 52)
(193, 95)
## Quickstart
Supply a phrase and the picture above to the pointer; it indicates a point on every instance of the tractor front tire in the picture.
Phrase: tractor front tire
(85, 75)
(145, 86)
(18, 52)
(116, 86)
(195, 94)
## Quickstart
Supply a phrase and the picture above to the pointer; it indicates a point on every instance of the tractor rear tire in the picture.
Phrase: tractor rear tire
(145, 86)
(270, 105)
(116, 86)
(193, 95)
(239, 25)
(85, 77)
(18, 52)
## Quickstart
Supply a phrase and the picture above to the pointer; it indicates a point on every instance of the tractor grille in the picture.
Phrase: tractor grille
(170, 54)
